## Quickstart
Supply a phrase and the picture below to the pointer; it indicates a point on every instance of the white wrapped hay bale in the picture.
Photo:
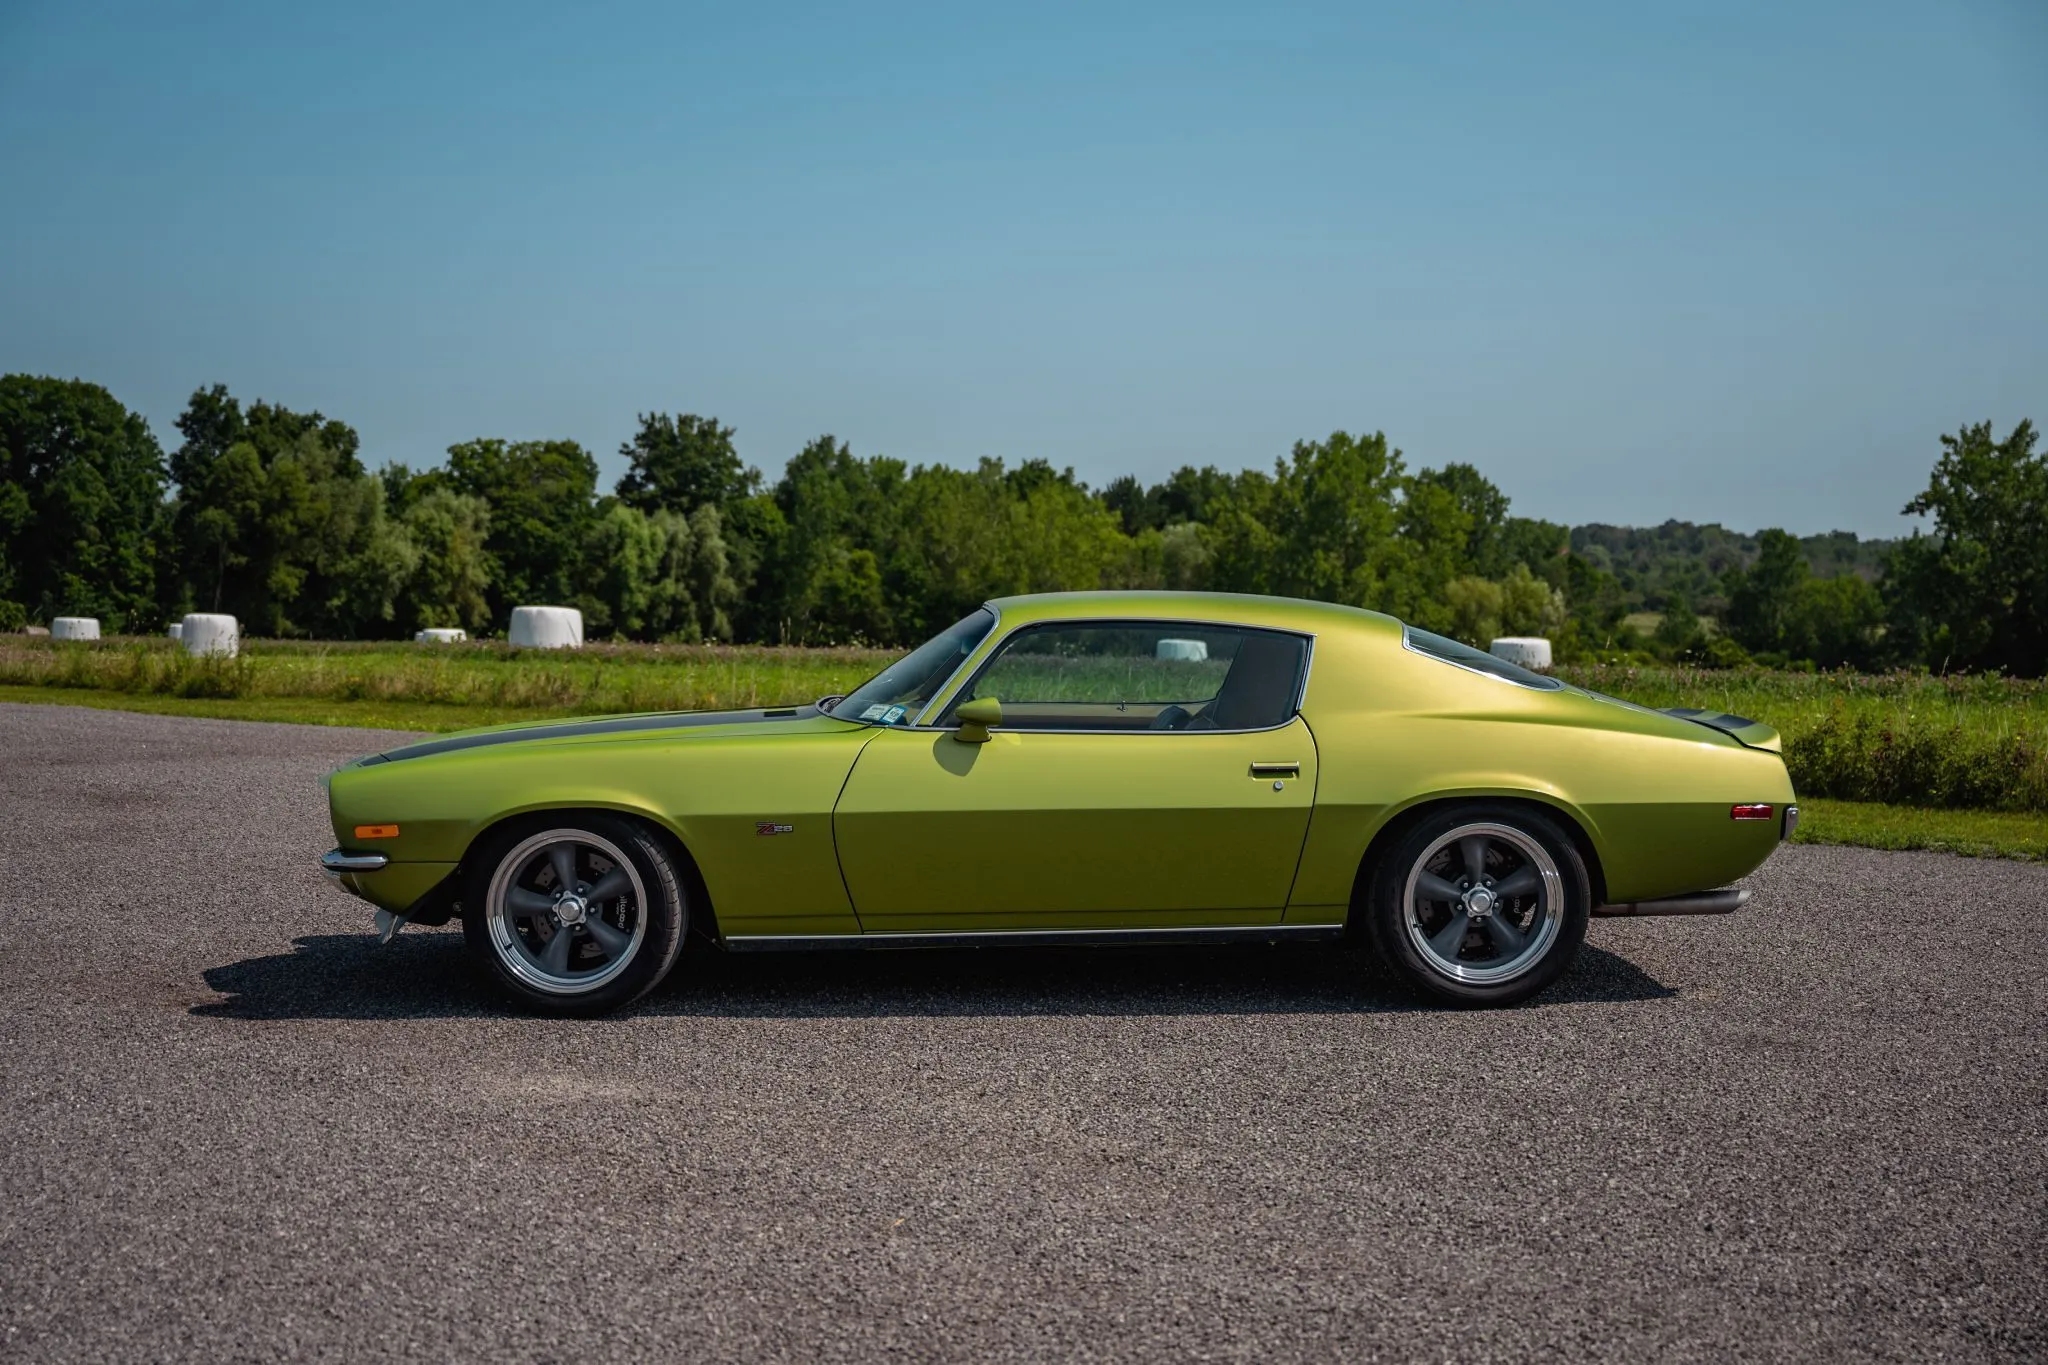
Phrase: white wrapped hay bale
(546, 627)
(177, 630)
(205, 633)
(440, 635)
(1188, 651)
(1529, 651)
(75, 628)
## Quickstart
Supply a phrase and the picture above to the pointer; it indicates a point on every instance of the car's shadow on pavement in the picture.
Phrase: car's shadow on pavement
(425, 975)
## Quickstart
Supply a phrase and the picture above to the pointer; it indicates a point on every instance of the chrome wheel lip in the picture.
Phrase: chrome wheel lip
(511, 950)
(1543, 930)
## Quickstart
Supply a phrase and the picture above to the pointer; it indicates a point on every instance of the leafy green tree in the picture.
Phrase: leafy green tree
(839, 518)
(277, 522)
(618, 587)
(1974, 593)
(1598, 605)
(451, 572)
(1324, 527)
(1191, 494)
(682, 463)
(1482, 610)
(657, 575)
(1435, 535)
(1134, 505)
(81, 479)
(1542, 545)
(1474, 606)
(1762, 598)
(1837, 622)
(1485, 507)
(1679, 634)
(542, 499)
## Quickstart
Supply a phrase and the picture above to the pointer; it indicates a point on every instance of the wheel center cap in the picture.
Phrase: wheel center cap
(1479, 901)
(570, 910)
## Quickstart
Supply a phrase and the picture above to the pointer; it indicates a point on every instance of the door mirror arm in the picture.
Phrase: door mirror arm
(975, 718)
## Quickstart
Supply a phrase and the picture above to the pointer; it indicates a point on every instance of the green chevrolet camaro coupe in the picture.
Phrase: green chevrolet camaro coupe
(1107, 767)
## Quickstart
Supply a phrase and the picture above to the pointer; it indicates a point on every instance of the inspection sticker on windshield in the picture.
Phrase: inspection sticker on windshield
(892, 715)
(875, 712)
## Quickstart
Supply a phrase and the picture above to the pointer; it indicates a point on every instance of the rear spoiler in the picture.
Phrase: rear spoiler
(1755, 734)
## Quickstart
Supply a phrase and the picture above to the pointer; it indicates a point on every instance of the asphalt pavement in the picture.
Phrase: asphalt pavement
(235, 1127)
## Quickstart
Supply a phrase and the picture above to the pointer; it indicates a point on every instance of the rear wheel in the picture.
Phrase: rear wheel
(575, 914)
(1480, 904)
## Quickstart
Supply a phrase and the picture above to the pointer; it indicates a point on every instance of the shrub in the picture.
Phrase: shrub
(1867, 757)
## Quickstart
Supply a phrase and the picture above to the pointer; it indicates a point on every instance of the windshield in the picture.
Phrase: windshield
(896, 694)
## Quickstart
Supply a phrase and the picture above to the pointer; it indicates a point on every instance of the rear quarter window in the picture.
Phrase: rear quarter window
(1450, 651)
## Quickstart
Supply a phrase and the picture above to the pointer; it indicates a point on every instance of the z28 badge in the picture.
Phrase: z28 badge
(767, 827)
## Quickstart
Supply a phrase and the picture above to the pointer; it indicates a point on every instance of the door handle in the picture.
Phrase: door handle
(1291, 769)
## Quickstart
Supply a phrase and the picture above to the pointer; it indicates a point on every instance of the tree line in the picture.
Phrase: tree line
(274, 516)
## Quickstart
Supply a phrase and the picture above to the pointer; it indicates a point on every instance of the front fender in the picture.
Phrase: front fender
(714, 794)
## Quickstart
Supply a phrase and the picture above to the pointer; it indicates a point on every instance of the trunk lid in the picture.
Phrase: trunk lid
(1753, 733)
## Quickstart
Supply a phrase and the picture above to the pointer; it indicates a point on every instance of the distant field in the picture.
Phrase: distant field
(1900, 739)
(436, 687)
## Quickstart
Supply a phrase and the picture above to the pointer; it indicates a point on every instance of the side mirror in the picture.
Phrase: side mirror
(975, 717)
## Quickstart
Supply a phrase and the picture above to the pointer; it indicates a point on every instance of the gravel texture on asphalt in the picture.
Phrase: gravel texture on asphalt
(235, 1127)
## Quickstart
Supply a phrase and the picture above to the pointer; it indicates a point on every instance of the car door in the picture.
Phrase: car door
(1142, 775)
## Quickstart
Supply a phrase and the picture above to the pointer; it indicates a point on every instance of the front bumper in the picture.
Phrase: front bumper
(402, 887)
(334, 862)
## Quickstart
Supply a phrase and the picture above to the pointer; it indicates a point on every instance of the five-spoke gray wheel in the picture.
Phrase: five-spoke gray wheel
(1478, 903)
(575, 915)
(1482, 902)
(566, 911)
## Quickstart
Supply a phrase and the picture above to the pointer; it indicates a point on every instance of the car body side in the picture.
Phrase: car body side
(751, 801)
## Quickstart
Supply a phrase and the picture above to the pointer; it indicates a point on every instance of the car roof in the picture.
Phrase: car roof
(1225, 608)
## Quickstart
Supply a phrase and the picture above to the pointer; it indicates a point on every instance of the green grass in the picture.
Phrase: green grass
(466, 681)
(1869, 824)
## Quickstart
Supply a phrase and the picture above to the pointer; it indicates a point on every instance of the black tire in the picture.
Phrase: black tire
(618, 945)
(1509, 950)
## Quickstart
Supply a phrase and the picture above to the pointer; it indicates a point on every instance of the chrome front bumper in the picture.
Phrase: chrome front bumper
(334, 862)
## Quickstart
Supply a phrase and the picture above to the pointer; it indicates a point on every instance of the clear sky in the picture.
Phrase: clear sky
(1719, 261)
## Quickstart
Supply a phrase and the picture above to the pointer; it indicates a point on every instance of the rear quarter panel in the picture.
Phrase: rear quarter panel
(1396, 729)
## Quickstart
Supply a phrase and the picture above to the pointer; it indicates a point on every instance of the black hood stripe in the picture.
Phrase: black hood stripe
(614, 725)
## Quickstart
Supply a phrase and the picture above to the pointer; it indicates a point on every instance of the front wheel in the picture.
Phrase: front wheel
(1480, 904)
(575, 914)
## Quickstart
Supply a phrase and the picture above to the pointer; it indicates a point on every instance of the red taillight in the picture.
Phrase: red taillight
(1759, 811)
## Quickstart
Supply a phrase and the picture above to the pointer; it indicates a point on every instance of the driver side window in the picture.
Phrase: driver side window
(1127, 675)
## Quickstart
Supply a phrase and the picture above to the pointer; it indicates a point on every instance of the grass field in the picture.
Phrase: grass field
(1893, 760)
(1871, 824)
(440, 687)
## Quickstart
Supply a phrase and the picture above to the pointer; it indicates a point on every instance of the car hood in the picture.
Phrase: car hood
(657, 724)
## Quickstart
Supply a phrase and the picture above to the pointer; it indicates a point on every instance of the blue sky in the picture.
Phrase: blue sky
(1725, 262)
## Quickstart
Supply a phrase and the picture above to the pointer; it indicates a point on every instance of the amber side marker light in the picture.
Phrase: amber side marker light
(391, 831)
(1761, 811)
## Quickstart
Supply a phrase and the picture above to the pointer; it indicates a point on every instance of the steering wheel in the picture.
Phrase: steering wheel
(1170, 718)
